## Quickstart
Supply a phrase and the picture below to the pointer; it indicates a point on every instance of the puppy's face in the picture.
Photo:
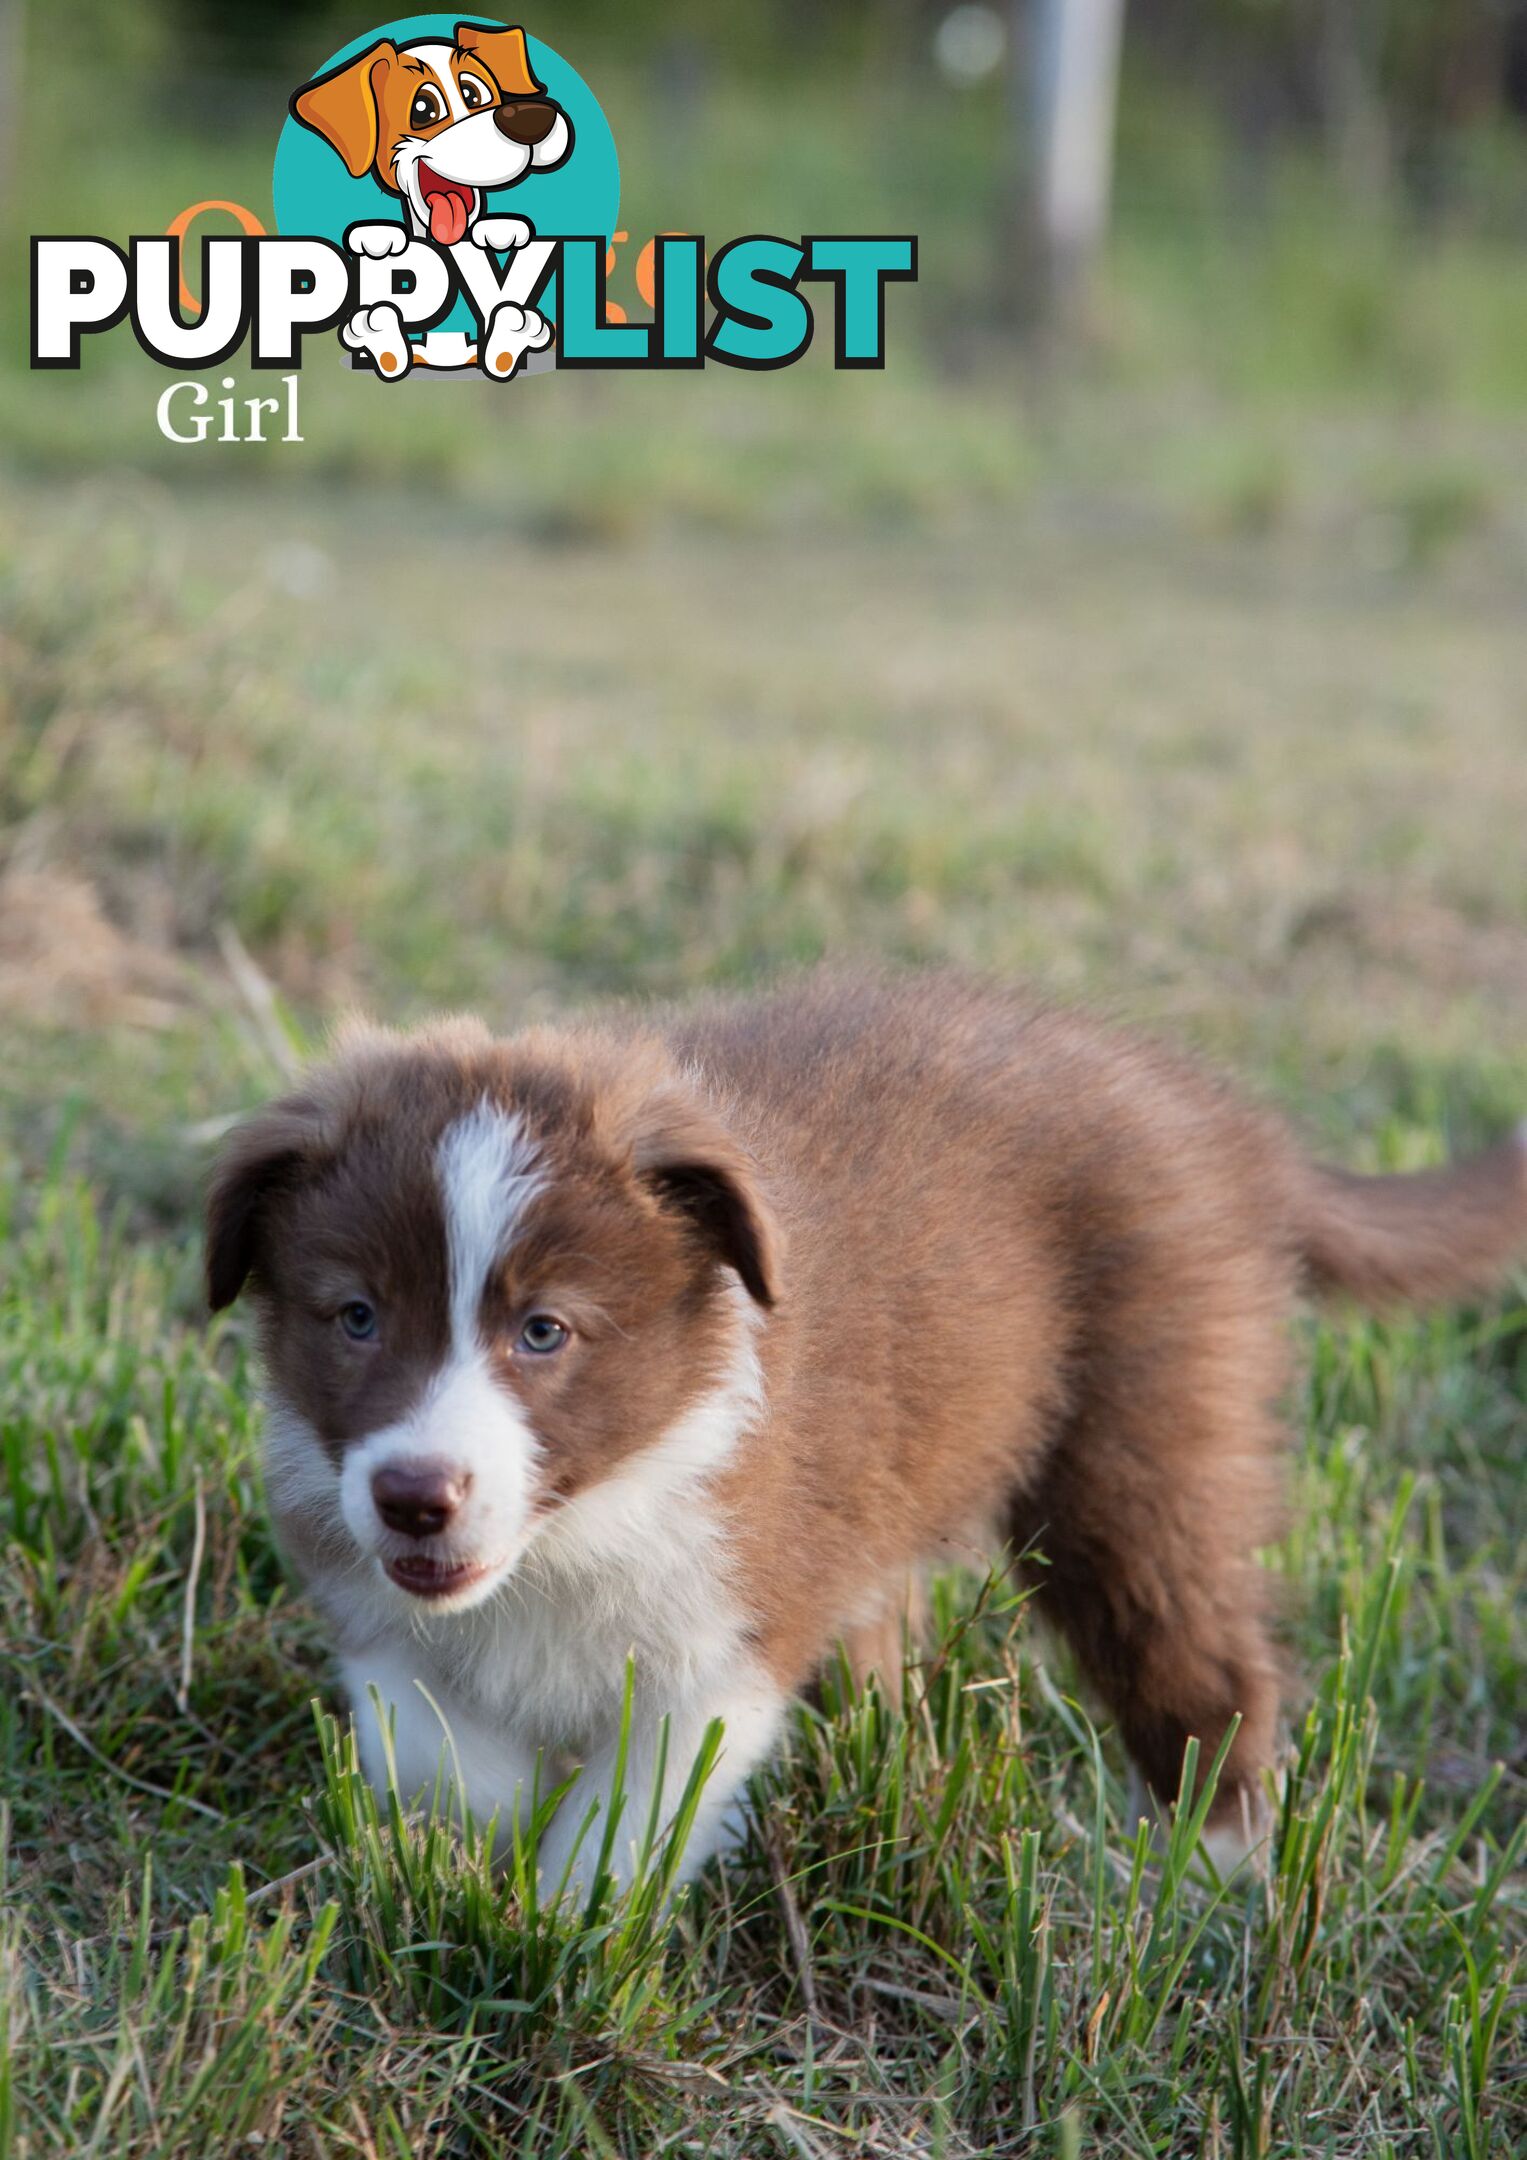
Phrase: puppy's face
(488, 1278)
(440, 123)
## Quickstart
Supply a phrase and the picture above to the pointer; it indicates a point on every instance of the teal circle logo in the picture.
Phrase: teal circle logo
(316, 191)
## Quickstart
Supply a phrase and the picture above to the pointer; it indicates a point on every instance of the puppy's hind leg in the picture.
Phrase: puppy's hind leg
(881, 1646)
(511, 333)
(1149, 1572)
(379, 331)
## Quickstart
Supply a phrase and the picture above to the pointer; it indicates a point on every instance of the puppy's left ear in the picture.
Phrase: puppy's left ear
(695, 1168)
(271, 1152)
(505, 54)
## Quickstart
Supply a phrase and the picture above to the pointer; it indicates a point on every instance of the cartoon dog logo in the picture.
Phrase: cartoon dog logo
(438, 125)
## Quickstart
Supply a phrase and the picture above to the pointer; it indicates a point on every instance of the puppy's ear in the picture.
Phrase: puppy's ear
(270, 1152)
(344, 107)
(696, 1169)
(504, 53)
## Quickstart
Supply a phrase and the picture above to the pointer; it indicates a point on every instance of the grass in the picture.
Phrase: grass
(1192, 686)
(946, 1937)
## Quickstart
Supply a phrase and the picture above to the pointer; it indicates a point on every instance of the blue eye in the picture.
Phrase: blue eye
(358, 1319)
(541, 1335)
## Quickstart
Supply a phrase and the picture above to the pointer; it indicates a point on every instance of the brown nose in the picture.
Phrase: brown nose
(418, 1498)
(527, 120)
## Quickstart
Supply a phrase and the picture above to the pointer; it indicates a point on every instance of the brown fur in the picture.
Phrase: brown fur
(1021, 1273)
(333, 1190)
(363, 108)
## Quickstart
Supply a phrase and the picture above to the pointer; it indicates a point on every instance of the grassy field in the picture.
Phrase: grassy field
(1194, 688)
(267, 762)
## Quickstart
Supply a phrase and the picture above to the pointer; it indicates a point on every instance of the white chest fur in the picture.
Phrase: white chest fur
(541, 1668)
(639, 1569)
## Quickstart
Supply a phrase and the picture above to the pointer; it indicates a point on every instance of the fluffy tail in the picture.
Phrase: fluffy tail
(1418, 1239)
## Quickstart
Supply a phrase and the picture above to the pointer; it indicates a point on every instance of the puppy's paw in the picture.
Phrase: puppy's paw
(1239, 1832)
(379, 331)
(512, 332)
(1238, 1835)
(376, 241)
(501, 233)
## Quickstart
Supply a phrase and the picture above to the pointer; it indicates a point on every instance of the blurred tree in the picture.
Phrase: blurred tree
(1065, 76)
(1446, 67)
(113, 33)
(1514, 60)
(263, 37)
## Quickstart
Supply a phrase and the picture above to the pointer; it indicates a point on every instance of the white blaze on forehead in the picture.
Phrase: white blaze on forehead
(437, 58)
(486, 1166)
(487, 1169)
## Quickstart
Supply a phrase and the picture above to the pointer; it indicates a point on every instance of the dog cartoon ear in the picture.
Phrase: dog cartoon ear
(271, 1152)
(505, 54)
(344, 107)
(694, 1167)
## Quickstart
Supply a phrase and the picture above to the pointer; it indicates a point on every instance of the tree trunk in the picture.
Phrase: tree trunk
(1065, 92)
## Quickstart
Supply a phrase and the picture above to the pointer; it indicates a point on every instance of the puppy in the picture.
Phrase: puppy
(697, 1336)
(438, 125)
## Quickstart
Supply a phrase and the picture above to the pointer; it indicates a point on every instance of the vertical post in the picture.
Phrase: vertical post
(1074, 85)
(1357, 126)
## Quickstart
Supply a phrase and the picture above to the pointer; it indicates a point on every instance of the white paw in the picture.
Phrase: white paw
(512, 332)
(1229, 1848)
(379, 331)
(501, 233)
(377, 241)
(1242, 1837)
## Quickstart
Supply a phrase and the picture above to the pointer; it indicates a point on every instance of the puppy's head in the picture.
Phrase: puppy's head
(439, 124)
(488, 1275)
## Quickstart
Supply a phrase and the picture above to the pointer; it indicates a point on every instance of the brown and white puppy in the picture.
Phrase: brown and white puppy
(695, 1336)
(439, 124)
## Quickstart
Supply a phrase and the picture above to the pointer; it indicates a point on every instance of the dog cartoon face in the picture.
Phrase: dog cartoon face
(440, 124)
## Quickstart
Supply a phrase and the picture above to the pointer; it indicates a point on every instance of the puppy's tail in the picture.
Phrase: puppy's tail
(1419, 1239)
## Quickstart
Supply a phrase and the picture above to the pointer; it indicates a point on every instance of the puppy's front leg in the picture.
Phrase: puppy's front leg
(750, 1707)
(435, 1742)
(501, 233)
(377, 241)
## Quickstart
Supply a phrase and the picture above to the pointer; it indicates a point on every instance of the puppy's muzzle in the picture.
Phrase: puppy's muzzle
(527, 121)
(419, 1499)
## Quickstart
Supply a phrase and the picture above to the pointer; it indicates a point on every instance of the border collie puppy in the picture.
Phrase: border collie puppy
(696, 1336)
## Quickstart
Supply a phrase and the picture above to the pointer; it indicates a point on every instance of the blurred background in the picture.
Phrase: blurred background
(1152, 627)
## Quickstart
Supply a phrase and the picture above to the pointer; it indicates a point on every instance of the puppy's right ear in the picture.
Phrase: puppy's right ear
(344, 107)
(269, 1153)
(506, 53)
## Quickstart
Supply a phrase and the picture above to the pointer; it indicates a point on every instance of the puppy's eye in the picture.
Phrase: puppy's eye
(474, 92)
(428, 107)
(358, 1319)
(541, 1335)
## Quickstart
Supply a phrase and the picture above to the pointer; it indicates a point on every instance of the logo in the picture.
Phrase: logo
(445, 198)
